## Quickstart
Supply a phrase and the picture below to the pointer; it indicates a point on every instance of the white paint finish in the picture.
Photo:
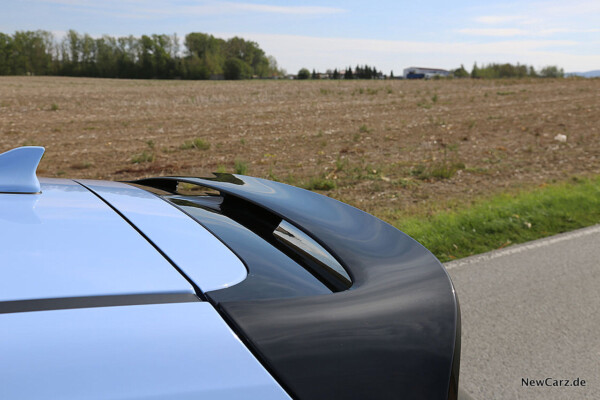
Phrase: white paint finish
(163, 351)
(197, 252)
(65, 242)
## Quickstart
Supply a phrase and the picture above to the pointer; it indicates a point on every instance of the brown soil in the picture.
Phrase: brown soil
(389, 146)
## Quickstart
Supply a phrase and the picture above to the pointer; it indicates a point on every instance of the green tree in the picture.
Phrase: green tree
(274, 69)
(207, 55)
(127, 57)
(31, 53)
(146, 57)
(161, 58)
(74, 48)
(460, 72)
(348, 74)
(303, 73)
(507, 70)
(149, 56)
(532, 72)
(88, 56)
(552, 71)
(475, 71)
(236, 69)
(5, 54)
(249, 53)
(106, 57)
(194, 68)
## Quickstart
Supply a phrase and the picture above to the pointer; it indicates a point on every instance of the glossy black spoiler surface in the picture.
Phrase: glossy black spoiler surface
(394, 334)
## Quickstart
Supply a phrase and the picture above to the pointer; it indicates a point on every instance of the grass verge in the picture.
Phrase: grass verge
(507, 219)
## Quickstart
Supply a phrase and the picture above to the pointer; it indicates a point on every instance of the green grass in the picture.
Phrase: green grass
(445, 170)
(507, 219)
(320, 184)
(198, 144)
(144, 156)
(439, 170)
(240, 167)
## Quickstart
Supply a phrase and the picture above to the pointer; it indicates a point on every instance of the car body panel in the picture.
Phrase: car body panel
(17, 170)
(161, 351)
(66, 242)
(199, 254)
(264, 291)
(394, 334)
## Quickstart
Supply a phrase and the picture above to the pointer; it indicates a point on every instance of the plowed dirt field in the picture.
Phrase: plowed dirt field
(384, 146)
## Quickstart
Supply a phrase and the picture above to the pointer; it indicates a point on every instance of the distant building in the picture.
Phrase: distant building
(424, 73)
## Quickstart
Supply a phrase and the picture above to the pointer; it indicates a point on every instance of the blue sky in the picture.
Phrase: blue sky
(389, 34)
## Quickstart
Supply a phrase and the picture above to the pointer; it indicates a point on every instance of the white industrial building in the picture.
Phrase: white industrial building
(424, 73)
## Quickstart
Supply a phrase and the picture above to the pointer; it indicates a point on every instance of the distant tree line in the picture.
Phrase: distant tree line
(154, 56)
(494, 71)
(203, 57)
(359, 72)
(489, 71)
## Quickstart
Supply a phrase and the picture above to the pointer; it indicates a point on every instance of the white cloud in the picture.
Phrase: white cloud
(566, 9)
(496, 32)
(213, 8)
(502, 19)
(297, 10)
(209, 7)
(552, 31)
(541, 18)
(508, 32)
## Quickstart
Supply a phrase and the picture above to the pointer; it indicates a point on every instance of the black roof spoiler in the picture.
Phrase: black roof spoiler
(394, 334)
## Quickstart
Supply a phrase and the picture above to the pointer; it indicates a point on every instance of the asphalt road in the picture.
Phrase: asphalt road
(531, 311)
